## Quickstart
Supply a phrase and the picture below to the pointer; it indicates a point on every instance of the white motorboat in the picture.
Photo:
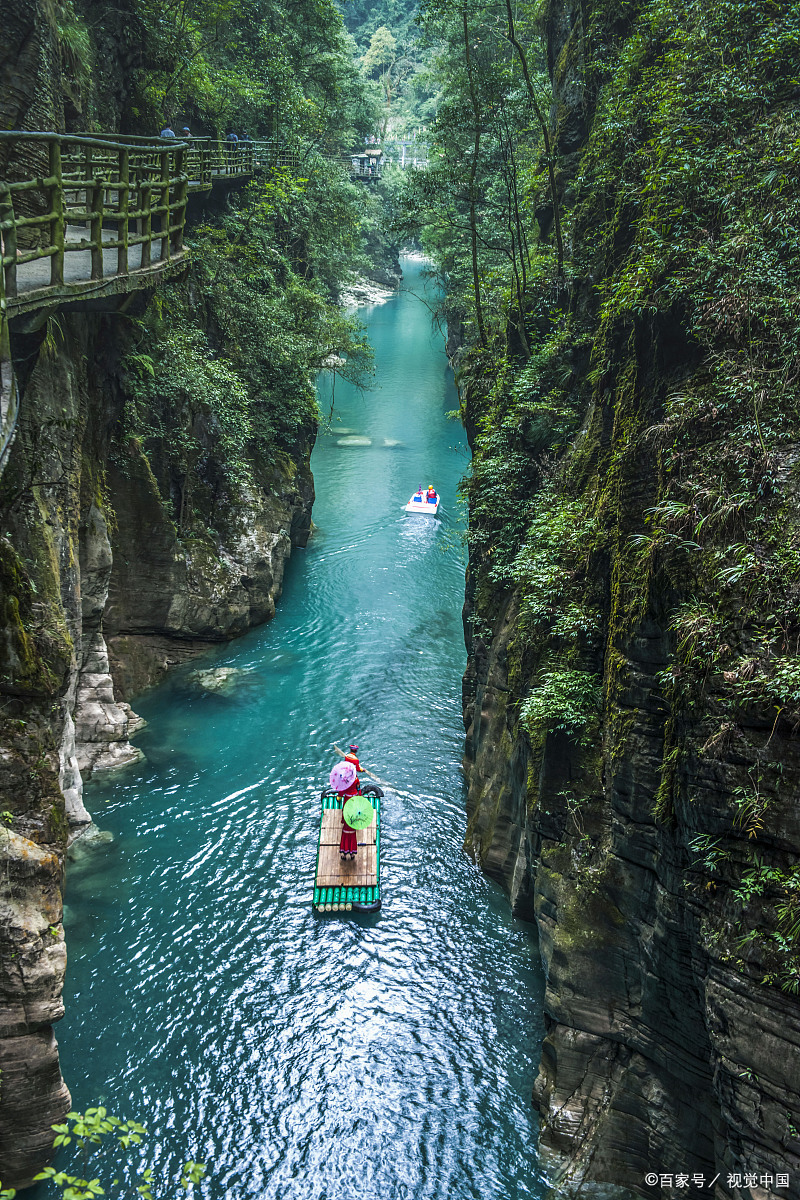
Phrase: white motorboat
(422, 504)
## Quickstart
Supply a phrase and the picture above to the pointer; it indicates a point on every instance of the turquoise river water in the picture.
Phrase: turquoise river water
(324, 1058)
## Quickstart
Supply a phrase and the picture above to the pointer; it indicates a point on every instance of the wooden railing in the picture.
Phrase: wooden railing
(135, 189)
(211, 159)
(122, 199)
(9, 394)
(207, 159)
(138, 194)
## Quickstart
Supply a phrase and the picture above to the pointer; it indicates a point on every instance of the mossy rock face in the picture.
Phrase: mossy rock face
(32, 801)
(34, 658)
(664, 856)
(209, 581)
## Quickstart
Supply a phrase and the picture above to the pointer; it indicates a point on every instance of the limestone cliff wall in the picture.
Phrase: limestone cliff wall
(169, 597)
(90, 556)
(660, 1055)
(642, 837)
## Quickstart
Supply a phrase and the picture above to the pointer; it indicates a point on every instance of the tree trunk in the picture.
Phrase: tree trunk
(548, 149)
(473, 172)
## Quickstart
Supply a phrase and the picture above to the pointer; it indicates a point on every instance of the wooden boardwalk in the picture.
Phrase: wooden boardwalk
(86, 219)
(341, 886)
(78, 266)
(105, 207)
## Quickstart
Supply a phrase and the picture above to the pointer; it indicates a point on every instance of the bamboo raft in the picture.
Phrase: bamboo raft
(355, 884)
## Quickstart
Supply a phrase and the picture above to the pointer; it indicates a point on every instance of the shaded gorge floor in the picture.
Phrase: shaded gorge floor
(389, 1055)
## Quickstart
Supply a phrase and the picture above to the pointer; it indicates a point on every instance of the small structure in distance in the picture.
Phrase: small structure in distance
(367, 164)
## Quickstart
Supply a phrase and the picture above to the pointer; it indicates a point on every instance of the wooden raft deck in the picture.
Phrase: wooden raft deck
(355, 884)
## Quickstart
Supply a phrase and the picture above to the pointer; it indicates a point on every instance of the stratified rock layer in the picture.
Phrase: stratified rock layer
(659, 1055)
(33, 959)
(671, 1047)
(93, 551)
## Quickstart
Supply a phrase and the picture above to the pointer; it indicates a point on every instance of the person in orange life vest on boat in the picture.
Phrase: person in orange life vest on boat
(431, 494)
(348, 845)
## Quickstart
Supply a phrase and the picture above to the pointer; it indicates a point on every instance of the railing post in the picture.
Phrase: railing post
(145, 202)
(164, 204)
(9, 395)
(56, 201)
(96, 227)
(190, 159)
(87, 176)
(123, 205)
(181, 197)
(8, 231)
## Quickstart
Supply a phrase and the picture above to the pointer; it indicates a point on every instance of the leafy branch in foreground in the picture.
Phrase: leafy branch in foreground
(96, 1127)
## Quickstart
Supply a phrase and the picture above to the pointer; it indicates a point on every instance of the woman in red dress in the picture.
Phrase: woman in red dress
(348, 845)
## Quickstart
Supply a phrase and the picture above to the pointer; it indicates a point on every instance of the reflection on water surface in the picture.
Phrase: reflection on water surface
(379, 1056)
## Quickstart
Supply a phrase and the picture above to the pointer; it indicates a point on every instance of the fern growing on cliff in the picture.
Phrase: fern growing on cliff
(565, 701)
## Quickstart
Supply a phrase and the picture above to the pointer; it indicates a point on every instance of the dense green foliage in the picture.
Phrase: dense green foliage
(364, 17)
(633, 400)
(220, 376)
(219, 373)
(281, 68)
(475, 209)
(394, 59)
(273, 68)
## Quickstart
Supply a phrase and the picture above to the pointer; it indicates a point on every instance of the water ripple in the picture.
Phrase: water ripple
(387, 1054)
